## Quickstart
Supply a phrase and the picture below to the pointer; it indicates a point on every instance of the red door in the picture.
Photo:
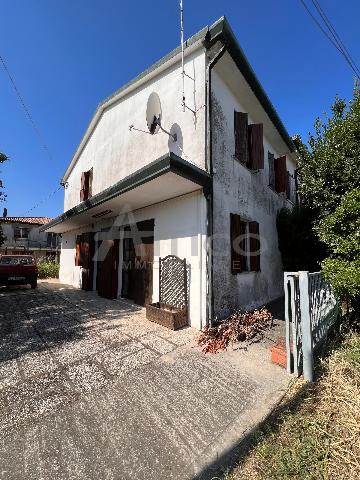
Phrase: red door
(107, 279)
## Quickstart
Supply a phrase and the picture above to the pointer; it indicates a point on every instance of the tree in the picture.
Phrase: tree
(330, 165)
(329, 174)
(2, 236)
(3, 159)
(340, 230)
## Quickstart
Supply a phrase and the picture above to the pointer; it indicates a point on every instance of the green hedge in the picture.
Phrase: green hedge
(48, 269)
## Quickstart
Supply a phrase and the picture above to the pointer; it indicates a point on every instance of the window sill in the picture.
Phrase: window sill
(245, 272)
(246, 168)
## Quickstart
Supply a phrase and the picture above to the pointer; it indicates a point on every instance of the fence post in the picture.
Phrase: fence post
(287, 324)
(306, 328)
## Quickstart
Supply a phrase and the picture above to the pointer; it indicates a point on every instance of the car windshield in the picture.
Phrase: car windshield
(16, 260)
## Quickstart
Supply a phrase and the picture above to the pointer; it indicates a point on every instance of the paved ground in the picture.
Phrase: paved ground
(89, 389)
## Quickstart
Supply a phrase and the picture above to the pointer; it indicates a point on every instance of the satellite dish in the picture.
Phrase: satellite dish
(153, 113)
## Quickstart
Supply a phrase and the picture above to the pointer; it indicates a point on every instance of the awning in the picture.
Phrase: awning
(168, 177)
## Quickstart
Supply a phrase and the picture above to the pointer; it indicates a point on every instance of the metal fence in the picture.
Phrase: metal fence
(311, 309)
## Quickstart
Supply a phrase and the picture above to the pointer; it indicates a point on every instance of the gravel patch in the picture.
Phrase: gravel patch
(157, 343)
(87, 377)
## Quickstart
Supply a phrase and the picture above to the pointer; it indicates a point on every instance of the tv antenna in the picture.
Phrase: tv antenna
(183, 73)
(153, 117)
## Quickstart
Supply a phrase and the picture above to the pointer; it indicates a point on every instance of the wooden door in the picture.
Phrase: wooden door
(107, 279)
(86, 254)
(138, 261)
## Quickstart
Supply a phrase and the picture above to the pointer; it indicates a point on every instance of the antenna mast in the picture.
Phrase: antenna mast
(183, 73)
(182, 53)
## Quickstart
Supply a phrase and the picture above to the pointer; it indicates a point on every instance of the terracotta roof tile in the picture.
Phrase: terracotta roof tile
(32, 220)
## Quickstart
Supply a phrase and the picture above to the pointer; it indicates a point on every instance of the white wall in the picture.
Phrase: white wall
(34, 233)
(180, 229)
(237, 190)
(114, 152)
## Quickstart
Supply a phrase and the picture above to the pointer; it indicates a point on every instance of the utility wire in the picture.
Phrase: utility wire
(332, 37)
(43, 201)
(34, 126)
(25, 107)
(335, 35)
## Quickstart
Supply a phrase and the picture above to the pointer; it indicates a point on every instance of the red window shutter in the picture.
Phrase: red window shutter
(77, 251)
(271, 161)
(241, 136)
(254, 246)
(280, 174)
(256, 147)
(82, 187)
(235, 243)
(90, 183)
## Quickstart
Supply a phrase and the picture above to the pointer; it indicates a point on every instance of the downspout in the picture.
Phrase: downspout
(209, 193)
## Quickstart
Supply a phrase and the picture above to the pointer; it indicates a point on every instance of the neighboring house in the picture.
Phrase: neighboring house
(219, 185)
(23, 235)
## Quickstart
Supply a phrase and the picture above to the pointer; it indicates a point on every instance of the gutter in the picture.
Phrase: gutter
(210, 195)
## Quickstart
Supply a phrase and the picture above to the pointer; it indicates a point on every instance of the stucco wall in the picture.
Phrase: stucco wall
(114, 152)
(180, 229)
(237, 190)
(34, 234)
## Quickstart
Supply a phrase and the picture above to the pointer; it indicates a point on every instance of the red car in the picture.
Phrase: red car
(18, 270)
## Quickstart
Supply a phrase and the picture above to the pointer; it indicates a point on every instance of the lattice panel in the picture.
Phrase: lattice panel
(173, 281)
(323, 306)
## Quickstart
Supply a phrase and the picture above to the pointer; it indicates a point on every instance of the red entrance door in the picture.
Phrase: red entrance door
(107, 278)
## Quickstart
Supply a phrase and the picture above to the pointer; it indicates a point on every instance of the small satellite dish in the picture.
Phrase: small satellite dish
(153, 113)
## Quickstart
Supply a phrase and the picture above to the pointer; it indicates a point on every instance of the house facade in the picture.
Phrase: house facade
(23, 235)
(208, 190)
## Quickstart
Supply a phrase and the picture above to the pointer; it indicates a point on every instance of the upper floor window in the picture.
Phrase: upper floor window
(21, 232)
(245, 245)
(86, 185)
(249, 147)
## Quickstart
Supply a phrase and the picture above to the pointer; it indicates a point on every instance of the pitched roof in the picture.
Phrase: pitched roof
(31, 220)
(220, 30)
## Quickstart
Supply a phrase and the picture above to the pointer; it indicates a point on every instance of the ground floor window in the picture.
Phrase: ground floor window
(245, 245)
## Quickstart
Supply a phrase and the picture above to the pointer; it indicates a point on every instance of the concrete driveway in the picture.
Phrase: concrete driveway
(89, 389)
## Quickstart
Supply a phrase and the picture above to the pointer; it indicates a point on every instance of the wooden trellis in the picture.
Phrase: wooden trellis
(173, 282)
(172, 309)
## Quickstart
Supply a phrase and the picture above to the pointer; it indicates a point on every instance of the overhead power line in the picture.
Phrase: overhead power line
(25, 107)
(329, 31)
(33, 125)
(45, 199)
(336, 36)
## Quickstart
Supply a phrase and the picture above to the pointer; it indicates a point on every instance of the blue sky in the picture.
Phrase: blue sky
(67, 56)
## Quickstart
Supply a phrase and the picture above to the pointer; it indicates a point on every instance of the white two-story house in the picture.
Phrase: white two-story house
(211, 195)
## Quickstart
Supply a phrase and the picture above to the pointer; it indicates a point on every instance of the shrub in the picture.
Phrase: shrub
(341, 232)
(48, 268)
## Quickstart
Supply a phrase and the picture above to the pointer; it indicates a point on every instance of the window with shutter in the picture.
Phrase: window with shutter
(241, 136)
(254, 240)
(280, 174)
(256, 147)
(245, 245)
(271, 160)
(86, 185)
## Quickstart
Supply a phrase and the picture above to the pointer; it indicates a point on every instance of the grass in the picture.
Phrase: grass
(315, 434)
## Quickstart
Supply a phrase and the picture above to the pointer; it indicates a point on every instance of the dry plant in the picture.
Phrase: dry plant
(317, 435)
(238, 327)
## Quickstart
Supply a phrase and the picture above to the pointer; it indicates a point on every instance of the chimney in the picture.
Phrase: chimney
(5, 213)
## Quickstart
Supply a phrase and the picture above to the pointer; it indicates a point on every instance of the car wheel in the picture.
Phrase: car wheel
(33, 285)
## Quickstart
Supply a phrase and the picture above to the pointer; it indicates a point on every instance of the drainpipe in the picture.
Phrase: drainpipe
(209, 194)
